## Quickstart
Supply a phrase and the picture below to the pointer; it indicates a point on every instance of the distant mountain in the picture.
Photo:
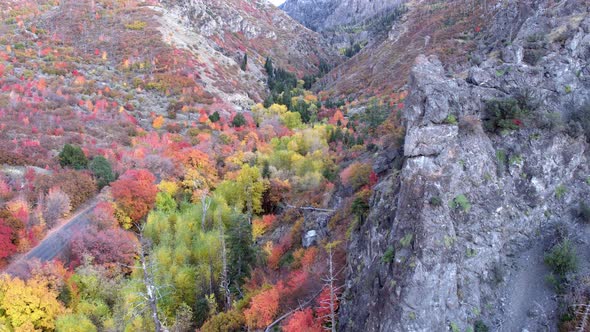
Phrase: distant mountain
(348, 25)
(326, 15)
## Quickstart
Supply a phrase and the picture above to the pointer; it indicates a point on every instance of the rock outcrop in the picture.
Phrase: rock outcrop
(472, 199)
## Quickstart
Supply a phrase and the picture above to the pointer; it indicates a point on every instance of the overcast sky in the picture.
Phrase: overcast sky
(277, 2)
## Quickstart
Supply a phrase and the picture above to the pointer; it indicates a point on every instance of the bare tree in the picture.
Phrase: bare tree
(56, 205)
(152, 293)
(330, 281)
(205, 204)
(224, 276)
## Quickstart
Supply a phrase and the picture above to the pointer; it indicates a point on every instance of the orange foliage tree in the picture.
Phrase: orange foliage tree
(135, 193)
(263, 308)
(302, 321)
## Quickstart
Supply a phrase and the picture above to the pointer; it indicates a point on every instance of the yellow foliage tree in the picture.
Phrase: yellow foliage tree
(169, 187)
(158, 122)
(29, 303)
(277, 109)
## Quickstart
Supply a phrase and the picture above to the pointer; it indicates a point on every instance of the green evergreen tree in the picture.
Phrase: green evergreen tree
(268, 67)
(239, 120)
(241, 254)
(214, 117)
(72, 156)
(102, 170)
(266, 169)
(269, 101)
(244, 64)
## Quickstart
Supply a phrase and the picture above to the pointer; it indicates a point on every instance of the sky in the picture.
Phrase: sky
(276, 2)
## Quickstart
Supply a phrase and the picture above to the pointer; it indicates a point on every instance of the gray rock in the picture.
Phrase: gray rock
(431, 140)
(310, 238)
(513, 54)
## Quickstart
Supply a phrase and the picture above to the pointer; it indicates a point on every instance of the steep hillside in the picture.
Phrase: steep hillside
(449, 29)
(114, 64)
(493, 188)
(237, 26)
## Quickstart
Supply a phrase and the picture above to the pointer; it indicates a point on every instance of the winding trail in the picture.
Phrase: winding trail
(55, 241)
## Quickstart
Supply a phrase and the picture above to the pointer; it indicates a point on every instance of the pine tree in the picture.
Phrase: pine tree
(102, 171)
(241, 253)
(72, 156)
(268, 67)
(244, 65)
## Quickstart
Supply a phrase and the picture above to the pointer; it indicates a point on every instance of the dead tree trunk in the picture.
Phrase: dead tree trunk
(205, 204)
(330, 281)
(224, 277)
(151, 295)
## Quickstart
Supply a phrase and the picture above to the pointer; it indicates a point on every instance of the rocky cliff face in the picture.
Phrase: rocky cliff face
(321, 15)
(456, 236)
(344, 23)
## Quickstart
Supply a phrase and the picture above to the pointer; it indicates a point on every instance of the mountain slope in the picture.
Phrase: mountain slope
(256, 26)
(449, 29)
(113, 64)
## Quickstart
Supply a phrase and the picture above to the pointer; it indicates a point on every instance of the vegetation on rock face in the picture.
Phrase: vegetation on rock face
(562, 259)
(504, 114)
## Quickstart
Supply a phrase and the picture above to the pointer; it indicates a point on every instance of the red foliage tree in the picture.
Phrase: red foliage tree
(135, 193)
(7, 246)
(103, 216)
(302, 321)
(108, 247)
(323, 309)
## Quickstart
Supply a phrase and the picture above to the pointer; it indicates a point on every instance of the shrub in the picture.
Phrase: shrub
(451, 119)
(356, 175)
(73, 323)
(584, 212)
(136, 25)
(108, 247)
(503, 114)
(406, 240)
(582, 118)
(460, 201)
(534, 49)
(480, 326)
(72, 156)
(135, 193)
(388, 255)
(435, 201)
(360, 205)
(263, 308)
(79, 186)
(231, 321)
(562, 258)
(560, 191)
